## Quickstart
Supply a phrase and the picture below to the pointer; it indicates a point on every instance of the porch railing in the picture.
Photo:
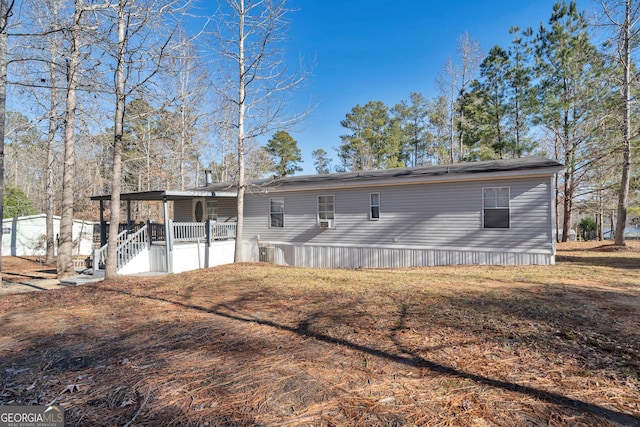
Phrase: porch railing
(100, 255)
(129, 245)
(156, 231)
(197, 231)
(132, 246)
(223, 230)
(189, 231)
(132, 243)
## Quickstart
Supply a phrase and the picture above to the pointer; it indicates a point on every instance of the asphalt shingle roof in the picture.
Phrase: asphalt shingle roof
(520, 164)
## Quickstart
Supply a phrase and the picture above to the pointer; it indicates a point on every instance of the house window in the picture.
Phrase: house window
(326, 208)
(374, 203)
(276, 213)
(212, 210)
(495, 206)
(198, 211)
(204, 210)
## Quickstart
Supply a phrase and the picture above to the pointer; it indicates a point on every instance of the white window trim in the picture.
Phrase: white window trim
(318, 208)
(371, 206)
(269, 217)
(216, 207)
(205, 214)
(509, 208)
(194, 203)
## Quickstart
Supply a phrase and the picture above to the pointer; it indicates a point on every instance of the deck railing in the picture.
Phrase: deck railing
(156, 231)
(197, 231)
(132, 246)
(189, 231)
(223, 230)
(131, 243)
(100, 255)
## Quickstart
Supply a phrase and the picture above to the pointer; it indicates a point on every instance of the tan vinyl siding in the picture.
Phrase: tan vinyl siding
(227, 209)
(183, 210)
(435, 215)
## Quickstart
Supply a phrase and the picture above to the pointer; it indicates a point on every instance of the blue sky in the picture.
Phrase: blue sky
(382, 50)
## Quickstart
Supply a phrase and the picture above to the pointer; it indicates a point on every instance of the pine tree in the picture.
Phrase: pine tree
(569, 90)
(377, 140)
(321, 161)
(285, 153)
(521, 94)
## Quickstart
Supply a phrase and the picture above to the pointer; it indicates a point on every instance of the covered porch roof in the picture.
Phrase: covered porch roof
(166, 195)
(163, 196)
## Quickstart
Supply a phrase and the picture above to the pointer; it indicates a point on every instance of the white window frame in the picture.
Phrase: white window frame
(209, 209)
(323, 214)
(496, 207)
(374, 205)
(281, 199)
(194, 204)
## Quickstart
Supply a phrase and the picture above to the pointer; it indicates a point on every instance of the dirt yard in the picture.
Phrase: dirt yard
(27, 274)
(261, 345)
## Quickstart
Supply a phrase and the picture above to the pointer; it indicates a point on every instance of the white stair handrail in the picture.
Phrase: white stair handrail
(128, 247)
(132, 246)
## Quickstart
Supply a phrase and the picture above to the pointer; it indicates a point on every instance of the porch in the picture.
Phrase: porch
(198, 240)
(190, 245)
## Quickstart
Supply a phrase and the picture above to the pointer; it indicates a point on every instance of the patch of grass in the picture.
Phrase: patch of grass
(266, 345)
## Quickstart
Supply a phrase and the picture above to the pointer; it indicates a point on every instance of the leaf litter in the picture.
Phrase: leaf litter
(256, 344)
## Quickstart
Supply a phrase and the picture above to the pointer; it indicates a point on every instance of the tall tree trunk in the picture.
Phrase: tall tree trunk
(50, 192)
(65, 248)
(111, 268)
(623, 196)
(566, 220)
(517, 122)
(569, 165)
(4, 14)
(183, 142)
(452, 125)
(241, 112)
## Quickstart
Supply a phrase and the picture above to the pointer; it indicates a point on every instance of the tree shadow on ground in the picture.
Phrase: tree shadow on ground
(602, 261)
(405, 356)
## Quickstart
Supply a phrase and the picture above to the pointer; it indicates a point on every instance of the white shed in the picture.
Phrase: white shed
(26, 235)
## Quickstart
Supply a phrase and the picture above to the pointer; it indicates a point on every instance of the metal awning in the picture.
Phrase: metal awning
(168, 195)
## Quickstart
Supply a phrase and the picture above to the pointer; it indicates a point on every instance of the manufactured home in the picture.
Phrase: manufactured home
(27, 235)
(490, 212)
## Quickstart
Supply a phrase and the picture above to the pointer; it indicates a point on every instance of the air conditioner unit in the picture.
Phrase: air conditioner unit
(325, 224)
(266, 254)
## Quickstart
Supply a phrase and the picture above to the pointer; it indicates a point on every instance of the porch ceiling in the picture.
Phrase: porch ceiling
(168, 195)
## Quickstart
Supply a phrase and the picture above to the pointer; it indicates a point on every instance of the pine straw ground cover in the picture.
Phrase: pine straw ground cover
(264, 345)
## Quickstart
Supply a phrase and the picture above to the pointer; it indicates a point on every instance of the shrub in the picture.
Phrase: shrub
(587, 228)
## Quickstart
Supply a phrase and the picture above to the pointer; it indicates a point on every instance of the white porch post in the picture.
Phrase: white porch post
(167, 236)
(207, 242)
(103, 225)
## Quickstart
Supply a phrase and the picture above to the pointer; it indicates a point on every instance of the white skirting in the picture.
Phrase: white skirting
(316, 256)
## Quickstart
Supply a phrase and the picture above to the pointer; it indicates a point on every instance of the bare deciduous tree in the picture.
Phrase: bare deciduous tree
(187, 77)
(49, 46)
(623, 17)
(448, 83)
(256, 80)
(65, 261)
(470, 56)
(5, 11)
(137, 53)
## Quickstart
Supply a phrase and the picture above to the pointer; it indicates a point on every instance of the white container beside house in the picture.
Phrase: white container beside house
(26, 235)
